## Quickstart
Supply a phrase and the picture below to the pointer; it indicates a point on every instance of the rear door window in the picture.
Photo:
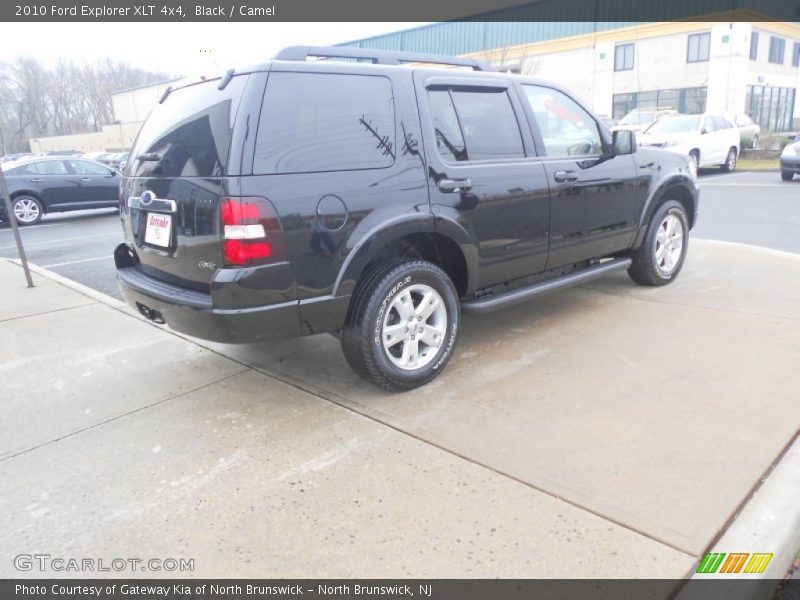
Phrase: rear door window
(51, 167)
(315, 122)
(474, 124)
(84, 167)
(189, 134)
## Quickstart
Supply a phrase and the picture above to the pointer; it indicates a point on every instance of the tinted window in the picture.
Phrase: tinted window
(51, 167)
(29, 169)
(754, 45)
(449, 141)
(567, 129)
(190, 132)
(319, 122)
(488, 124)
(84, 167)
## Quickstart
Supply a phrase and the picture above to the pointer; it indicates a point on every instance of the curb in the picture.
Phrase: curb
(768, 522)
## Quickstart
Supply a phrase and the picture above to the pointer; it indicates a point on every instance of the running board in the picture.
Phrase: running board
(494, 302)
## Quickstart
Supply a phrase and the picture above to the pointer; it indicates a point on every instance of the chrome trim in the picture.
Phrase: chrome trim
(157, 205)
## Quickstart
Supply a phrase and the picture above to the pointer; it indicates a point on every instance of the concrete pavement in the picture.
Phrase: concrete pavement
(606, 431)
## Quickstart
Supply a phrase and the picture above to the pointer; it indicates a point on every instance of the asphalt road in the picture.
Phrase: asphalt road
(745, 207)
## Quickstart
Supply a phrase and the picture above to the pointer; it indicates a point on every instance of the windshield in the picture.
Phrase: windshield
(674, 125)
(638, 118)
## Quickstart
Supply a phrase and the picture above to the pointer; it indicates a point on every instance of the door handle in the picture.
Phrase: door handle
(85, 179)
(454, 185)
(37, 180)
(564, 176)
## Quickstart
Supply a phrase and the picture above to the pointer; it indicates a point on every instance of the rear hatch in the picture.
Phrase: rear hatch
(175, 180)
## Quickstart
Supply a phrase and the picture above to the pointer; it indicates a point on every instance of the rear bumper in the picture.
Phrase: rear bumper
(193, 313)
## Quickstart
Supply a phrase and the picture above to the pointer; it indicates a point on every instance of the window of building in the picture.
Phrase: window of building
(623, 57)
(772, 108)
(685, 100)
(777, 49)
(698, 47)
(796, 54)
(622, 104)
(475, 124)
(313, 122)
(566, 129)
(754, 45)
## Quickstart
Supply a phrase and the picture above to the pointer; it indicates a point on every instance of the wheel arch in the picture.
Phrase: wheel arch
(678, 188)
(444, 244)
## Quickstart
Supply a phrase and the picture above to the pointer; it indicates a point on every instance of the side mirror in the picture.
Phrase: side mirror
(624, 142)
(703, 131)
(112, 172)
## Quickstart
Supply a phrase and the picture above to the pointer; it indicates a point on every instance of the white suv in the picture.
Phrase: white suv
(710, 140)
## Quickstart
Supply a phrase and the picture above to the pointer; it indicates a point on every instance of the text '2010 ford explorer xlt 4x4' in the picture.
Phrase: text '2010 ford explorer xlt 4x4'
(378, 198)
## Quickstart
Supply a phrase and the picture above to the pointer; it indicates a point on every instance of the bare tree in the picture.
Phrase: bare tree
(37, 101)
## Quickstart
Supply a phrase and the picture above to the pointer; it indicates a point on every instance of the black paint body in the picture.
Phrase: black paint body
(514, 221)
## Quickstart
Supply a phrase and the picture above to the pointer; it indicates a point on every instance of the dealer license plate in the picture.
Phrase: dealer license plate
(158, 230)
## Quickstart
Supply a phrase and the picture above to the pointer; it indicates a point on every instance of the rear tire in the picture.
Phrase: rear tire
(27, 209)
(694, 155)
(730, 161)
(754, 143)
(402, 325)
(660, 257)
(787, 175)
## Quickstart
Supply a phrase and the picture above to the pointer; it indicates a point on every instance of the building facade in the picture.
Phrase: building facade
(723, 67)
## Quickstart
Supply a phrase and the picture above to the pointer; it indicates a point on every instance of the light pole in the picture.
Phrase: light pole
(13, 220)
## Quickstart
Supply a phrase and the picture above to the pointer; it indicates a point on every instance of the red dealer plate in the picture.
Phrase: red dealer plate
(158, 230)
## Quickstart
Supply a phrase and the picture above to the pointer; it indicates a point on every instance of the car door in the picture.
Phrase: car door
(595, 202)
(483, 172)
(98, 185)
(710, 143)
(56, 185)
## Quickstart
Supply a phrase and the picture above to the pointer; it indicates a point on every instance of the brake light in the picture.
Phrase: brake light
(251, 232)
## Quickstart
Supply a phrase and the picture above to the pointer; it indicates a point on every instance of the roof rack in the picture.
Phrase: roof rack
(378, 57)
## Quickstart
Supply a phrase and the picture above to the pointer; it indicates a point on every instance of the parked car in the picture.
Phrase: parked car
(708, 139)
(44, 185)
(748, 130)
(13, 157)
(641, 119)
(379, 203)
(790, 160)
(115, 160)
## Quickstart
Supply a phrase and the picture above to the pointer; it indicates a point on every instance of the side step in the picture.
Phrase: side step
(494, 302)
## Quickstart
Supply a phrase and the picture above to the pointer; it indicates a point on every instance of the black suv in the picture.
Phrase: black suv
(377, 198)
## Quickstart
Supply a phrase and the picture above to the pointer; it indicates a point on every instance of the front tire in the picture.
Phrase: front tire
(402, 325)
(27, 210)
(787, 175)
(660, 257)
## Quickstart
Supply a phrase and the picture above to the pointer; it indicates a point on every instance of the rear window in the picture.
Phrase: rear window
(190, 132)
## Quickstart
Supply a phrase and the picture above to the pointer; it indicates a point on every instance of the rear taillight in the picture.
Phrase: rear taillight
(251, 232)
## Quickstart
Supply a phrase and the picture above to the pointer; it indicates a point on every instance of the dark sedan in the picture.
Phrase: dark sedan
(45, 185)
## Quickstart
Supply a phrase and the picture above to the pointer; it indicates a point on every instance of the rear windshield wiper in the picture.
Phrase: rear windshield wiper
(150, 156)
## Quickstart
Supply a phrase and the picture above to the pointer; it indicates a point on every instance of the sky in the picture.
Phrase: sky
(188, 49)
